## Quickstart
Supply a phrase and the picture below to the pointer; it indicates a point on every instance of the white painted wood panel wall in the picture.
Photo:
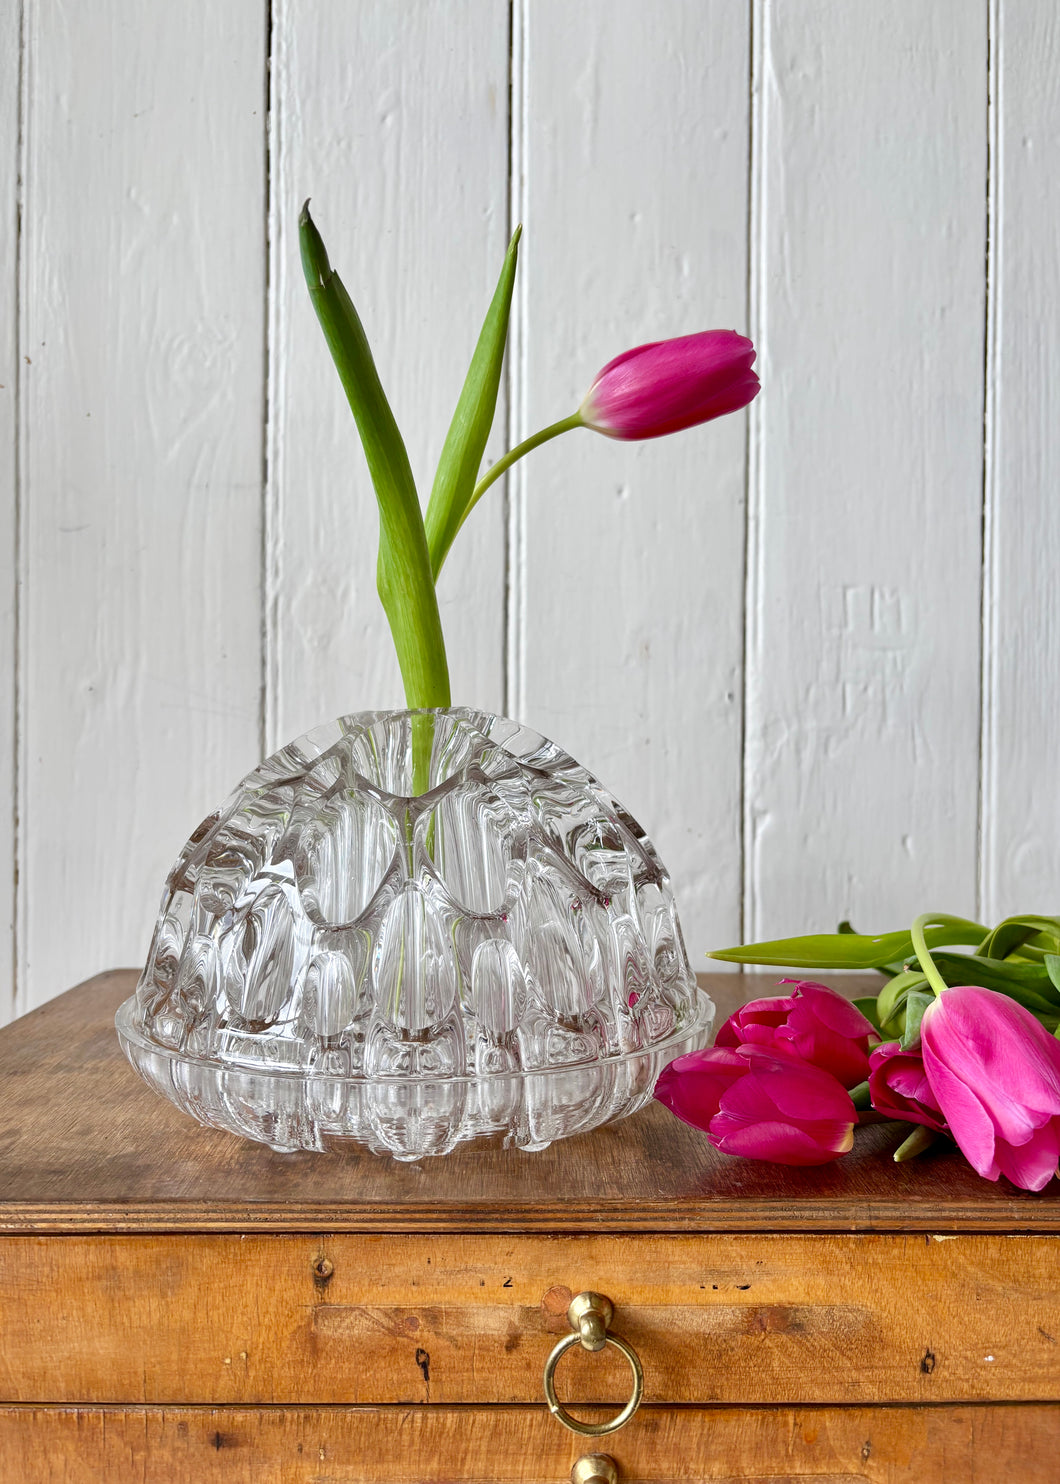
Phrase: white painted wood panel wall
(816, 647)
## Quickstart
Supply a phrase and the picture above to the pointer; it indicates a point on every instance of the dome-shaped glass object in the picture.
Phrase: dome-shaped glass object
(409, 929)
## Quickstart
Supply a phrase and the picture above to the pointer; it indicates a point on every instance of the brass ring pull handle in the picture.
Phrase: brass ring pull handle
(589, 1316)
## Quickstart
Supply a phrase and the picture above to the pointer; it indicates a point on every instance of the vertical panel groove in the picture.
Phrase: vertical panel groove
(17, 667)
(266, 390)
(506, 498)
(515, 480)
(986, 833)
(754, 492)
(278, 22)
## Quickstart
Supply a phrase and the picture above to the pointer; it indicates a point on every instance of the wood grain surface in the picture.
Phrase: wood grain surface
(85, 1146)
(748, 1319)
(503, 1445)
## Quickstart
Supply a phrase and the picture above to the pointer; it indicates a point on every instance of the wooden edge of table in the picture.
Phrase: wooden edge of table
(182, 1218)
(86, 1147)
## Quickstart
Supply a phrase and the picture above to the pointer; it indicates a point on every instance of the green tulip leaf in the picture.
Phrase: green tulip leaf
(891, 1002)
(465, 443)
(889, 969)
(405, 580)
(916, 1003)
(1028, 984)
(1018, 933)
(1052, 968)
(850, 950)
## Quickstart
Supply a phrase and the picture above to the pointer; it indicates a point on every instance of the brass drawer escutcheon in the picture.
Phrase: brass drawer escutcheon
(594, 1468)
(589, 1316)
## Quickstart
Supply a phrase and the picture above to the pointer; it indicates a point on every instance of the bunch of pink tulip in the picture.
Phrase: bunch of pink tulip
(775, 1083)
(787, 1077)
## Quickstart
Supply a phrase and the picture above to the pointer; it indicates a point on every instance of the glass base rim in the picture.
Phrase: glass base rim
(133, 1039)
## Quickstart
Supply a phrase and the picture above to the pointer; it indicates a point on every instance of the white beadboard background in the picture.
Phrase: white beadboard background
(814, 647)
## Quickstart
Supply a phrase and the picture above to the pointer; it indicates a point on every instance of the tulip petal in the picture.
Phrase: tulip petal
(995, 1072)
(1032, 1165)
(757, 1022)
(831, 1008)
(899, 1086)
(668, 385)
(794, 1096)
(995, 1046)
(692, 1086)
(911, 1081)
(968, 1120)
(816, 1024)
(781, 1143)
(848, 1062)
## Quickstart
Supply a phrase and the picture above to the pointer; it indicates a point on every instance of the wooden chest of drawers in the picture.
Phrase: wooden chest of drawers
(176, 1304)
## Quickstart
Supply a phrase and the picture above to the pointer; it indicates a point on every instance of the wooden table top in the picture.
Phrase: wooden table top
(86, 1146)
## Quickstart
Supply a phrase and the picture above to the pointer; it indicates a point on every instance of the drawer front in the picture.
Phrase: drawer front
(447, 1319)
(438, 1445)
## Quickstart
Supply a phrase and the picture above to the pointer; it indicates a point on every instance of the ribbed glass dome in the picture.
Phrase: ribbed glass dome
(410, 929)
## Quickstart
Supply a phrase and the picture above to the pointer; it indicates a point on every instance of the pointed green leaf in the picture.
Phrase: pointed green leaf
(889, 969)
(406, 583)
(891, 1002)
(465, 443)
(916, 1003)
(850, 950)
(1015, 933)
(1029, 984)
(1052, 968)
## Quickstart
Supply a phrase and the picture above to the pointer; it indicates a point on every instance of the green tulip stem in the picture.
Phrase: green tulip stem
(918, 1141)
(923, 954)
(507, 460)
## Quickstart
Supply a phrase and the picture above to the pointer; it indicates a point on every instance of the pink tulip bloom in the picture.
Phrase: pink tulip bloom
(813, 1022)
(995, 1073)
(760, 1104)
(899, 1087)
(671, 384)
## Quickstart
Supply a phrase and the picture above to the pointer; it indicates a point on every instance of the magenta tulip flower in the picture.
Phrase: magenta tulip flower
(899, 1086)
(995, 1073)
(671, 384)
(761, 1104)
(813, 1022)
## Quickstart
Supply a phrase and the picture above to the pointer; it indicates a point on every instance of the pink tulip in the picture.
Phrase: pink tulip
(760, 1104)
(995, 1074)
(671, 384)
(813, 1022)
(899, 1087)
